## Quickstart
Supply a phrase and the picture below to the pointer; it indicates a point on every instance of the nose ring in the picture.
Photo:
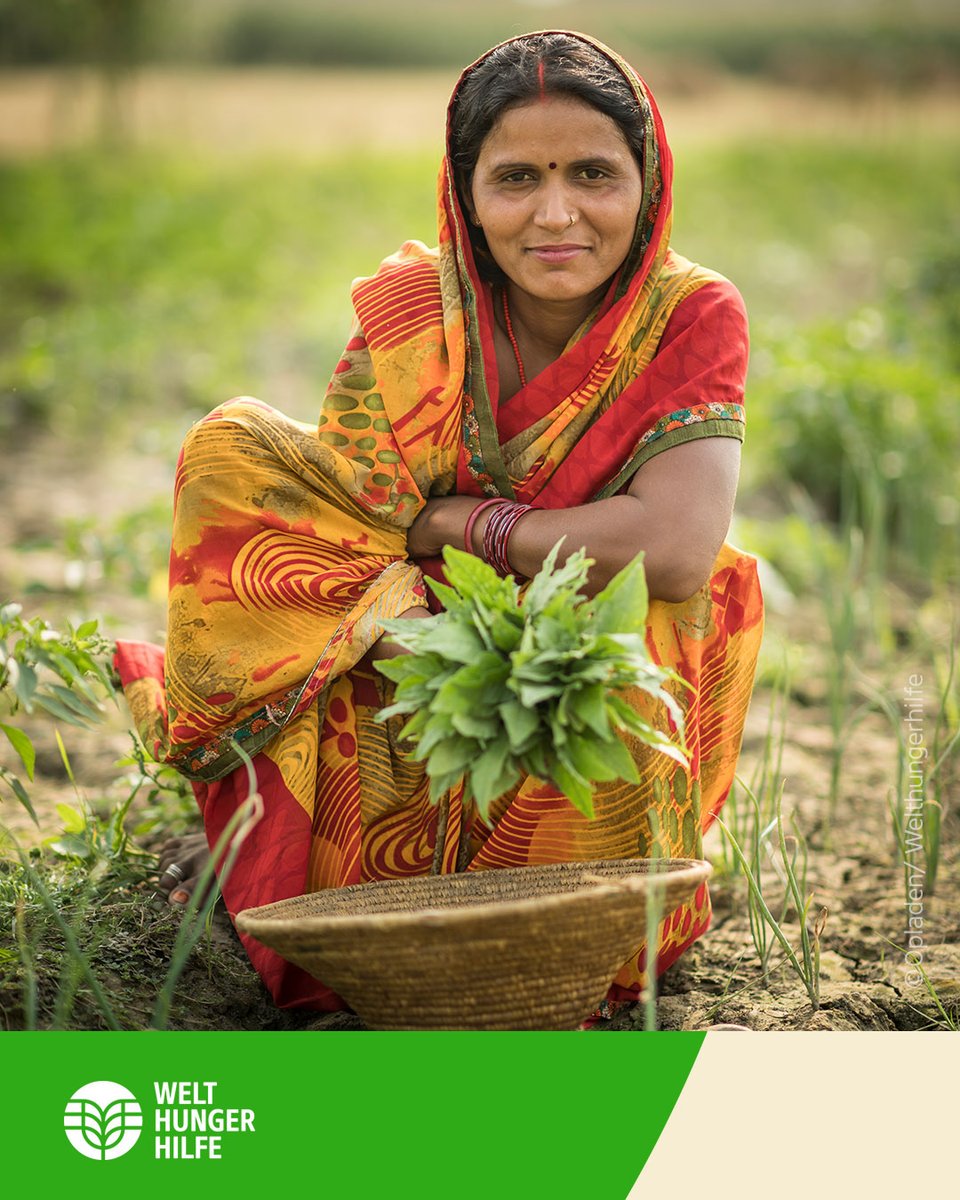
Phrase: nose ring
(573, 219)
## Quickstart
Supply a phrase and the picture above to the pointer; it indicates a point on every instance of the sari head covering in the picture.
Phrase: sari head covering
(289, 553)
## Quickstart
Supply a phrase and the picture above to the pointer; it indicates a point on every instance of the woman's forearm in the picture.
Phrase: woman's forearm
(612, 532)
(677, 511)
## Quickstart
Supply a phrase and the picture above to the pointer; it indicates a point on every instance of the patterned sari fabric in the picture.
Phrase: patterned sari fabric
(289, 553)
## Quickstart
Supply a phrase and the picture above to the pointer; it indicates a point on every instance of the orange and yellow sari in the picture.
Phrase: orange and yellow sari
(289, 553)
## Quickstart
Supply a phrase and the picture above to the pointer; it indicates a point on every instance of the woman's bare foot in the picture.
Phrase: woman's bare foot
(182, 860)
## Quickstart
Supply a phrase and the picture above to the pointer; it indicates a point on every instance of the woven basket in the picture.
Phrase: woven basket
(524, 948)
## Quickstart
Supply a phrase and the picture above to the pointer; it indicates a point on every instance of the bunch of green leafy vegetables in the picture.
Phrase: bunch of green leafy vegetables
(501, 683)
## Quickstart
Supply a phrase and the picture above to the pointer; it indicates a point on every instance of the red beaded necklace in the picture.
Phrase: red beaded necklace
(513, 338)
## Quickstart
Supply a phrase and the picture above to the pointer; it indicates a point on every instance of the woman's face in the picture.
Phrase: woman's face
(543, 163)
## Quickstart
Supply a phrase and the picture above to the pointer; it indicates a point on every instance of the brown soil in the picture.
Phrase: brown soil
(865, 981)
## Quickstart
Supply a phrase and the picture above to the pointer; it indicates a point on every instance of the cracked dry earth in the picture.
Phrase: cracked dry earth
(855, 873)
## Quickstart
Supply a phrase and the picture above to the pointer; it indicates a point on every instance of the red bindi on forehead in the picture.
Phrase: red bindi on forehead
(552, 166)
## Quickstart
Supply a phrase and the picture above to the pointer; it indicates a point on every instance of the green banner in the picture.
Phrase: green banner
(360, 1115)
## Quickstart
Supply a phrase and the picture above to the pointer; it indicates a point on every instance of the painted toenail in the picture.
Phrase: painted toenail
(180, 896)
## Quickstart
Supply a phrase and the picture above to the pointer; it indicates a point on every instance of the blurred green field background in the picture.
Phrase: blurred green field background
(845, 45)
(146, 277)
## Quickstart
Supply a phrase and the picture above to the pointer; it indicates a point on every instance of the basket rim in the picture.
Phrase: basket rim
(250, 920)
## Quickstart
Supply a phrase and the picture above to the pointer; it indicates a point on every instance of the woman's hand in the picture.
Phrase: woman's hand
(440, 523)
(385, 646)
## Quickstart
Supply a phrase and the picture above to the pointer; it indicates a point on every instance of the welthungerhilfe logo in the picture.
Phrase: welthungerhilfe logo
(103, 1120)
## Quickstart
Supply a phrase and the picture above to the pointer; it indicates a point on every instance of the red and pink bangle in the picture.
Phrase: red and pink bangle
(497, 531)
(472, 520)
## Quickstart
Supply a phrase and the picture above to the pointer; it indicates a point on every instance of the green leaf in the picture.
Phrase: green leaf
(23, 746)
(73, 674)
(83, 709)
(412, 695)
(404, 633)
(64, 757)
(553, 634)
(73, 821)
(620, 760)
(435, 731)
(557, 732)
(391, 710)
(535, 762)
(57, 709)
(473, 686)
(589, 671)
(69, 845)
(448, 596)
(532, 670)
(532, 694)
(90, 666)
(87, 629)
(628, 717)
(443, 783)
(9, 613)
(496, 685)
(476, 580)
(622, 605)
(452, 754)
(506, 629)
(621, 710)
(454, 641)
(484, 729)
(520, 722)
(656, 739)
(576, 789)
(551, 581)
(590, 761)
(491, 775)
(589, 707)
(414, 728)
(20, 792)
(395, 669)
(24, 680)
(671, 751)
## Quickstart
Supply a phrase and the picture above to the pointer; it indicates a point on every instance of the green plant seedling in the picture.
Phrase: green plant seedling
(807, 967)
(63, 675)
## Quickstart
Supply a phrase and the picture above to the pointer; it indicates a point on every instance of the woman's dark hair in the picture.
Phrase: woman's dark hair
(524, 70)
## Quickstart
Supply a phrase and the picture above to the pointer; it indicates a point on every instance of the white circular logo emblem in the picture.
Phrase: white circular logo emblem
(103, 1120)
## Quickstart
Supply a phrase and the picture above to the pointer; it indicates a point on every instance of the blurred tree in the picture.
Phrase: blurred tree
(32, 33)
(113, 36)
(118, 37)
